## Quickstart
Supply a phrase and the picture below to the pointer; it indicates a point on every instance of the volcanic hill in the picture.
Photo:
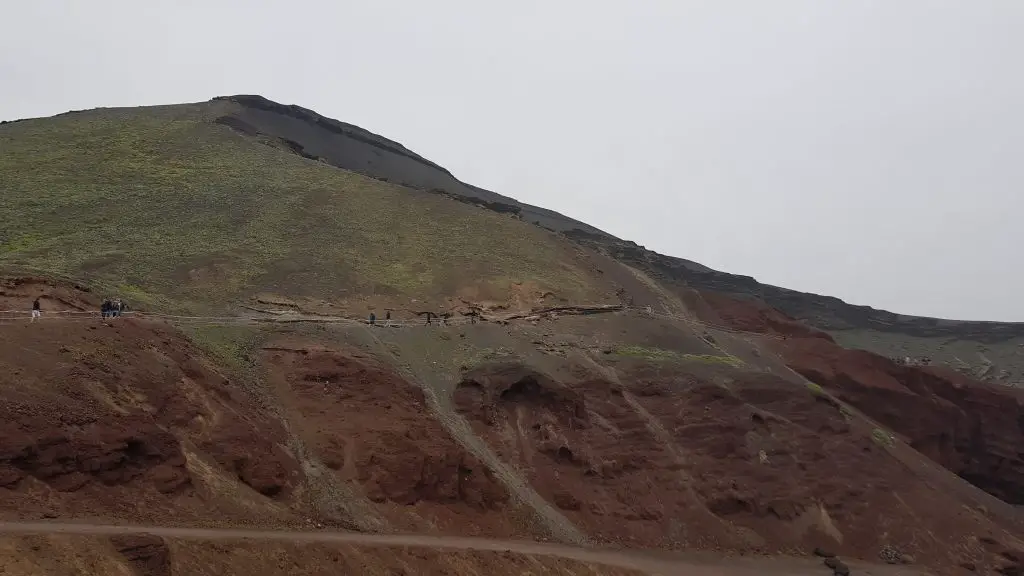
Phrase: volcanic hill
(580, 390)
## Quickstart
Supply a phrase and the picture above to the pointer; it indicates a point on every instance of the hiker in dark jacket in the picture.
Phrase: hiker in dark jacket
(105, 308)
(373, 318)
(37, 311)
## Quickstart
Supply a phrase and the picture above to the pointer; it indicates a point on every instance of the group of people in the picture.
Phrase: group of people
(111, 308)
(444, 318)
(387, 319)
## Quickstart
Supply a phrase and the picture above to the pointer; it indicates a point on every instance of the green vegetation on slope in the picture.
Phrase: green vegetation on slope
(660, 354)
(175, 211)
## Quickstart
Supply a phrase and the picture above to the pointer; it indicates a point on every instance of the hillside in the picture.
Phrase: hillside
(108, 195)
(701, 418)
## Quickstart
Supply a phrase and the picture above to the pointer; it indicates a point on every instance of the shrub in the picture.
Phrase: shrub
(882, 437)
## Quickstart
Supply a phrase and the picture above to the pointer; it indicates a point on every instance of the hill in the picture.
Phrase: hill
(106, 195)
(609, 397)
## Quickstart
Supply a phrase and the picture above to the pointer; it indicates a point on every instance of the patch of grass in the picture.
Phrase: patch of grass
(647, 353)
(881, 437)
(233, 347)
(660, 354)
(815, 389)
(710, 359)
(193, 216)
(485, 355)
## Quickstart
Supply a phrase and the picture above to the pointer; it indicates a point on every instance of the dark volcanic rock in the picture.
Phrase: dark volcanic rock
(350, 147)
(148, 555)
(822, 312)
(113, 453)
(512, 383)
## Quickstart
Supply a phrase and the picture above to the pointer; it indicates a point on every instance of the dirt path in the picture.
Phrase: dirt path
(662, 564)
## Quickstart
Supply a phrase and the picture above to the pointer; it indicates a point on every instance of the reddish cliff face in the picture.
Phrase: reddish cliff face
(973, 429)
(374, 431)
(101, 418)
(669, 459)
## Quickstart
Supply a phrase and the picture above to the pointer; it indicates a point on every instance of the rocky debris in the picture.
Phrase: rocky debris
(147, 554)
(823, 553)
(1012, 563)
(513, 383)
(264, 475)
(891, 555)
(112, 452)
(838, 567)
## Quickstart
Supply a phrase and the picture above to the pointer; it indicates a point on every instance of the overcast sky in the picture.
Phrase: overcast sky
(870, 150)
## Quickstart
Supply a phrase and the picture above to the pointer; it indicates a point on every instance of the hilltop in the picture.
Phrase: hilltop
(609, 396)
(107, 195)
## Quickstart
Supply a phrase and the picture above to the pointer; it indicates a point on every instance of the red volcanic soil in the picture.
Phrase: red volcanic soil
(17, 294)
(583, 448)
(96, 419)
(747, 315)
(373, 429)
(759, 464)
(972, 429)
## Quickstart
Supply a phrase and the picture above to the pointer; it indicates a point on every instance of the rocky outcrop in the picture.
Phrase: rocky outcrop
(975, 430)
(487, 388)
(971, 428)
(114, 452)
(148, 555)
(368, 425)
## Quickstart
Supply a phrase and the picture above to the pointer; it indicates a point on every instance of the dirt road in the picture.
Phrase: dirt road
(661, 564)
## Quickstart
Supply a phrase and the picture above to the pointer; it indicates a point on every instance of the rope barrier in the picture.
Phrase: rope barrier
(10, 316)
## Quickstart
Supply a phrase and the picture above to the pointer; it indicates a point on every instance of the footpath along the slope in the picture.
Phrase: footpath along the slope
(663, 564)
(287, 317)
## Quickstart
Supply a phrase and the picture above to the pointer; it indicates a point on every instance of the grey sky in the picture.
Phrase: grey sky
(869, 150)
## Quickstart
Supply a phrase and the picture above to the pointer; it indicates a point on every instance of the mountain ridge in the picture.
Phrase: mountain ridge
(822, 311)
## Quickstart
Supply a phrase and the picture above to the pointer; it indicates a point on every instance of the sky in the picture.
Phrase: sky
(866, 149)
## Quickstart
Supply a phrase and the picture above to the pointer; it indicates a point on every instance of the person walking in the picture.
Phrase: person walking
(373, 318)
(387, 319)
(37, 311)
